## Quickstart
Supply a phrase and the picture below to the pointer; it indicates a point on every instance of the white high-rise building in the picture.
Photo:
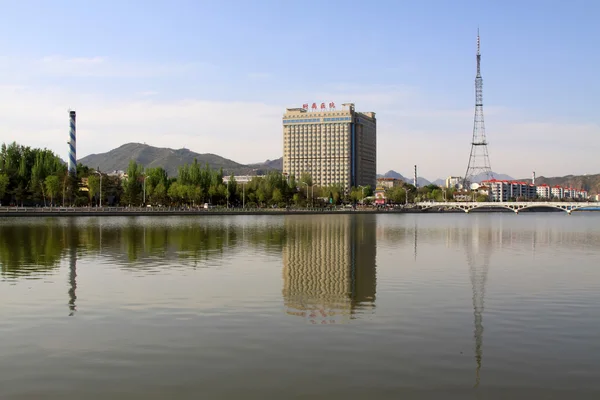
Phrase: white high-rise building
(333, 146)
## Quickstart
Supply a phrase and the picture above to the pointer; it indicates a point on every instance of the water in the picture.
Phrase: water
(338, 306)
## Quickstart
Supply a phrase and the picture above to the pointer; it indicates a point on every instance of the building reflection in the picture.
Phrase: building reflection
(329, 272)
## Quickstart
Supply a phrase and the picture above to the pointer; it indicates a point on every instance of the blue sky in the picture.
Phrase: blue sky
(215, 77)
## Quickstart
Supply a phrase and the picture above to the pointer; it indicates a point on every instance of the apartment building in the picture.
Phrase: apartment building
(503, 190)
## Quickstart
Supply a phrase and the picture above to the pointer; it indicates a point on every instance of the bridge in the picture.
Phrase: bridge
(512, 206)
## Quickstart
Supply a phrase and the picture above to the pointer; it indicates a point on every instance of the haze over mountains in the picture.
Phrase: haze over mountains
(171, 160)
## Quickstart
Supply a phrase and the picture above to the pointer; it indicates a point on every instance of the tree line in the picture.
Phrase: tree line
(38, 177)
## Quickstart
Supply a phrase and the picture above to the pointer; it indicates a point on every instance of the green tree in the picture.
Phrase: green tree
(482, 198)
(159, 193)
(397, 194)
(93, 186)
(52, 184)
(4, 181)
(277, 196)
(305, 177)
(133, 183)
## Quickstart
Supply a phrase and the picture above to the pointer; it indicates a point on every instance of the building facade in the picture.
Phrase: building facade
(389, 183)
(454, 182)
(503, 190)
(333, 146)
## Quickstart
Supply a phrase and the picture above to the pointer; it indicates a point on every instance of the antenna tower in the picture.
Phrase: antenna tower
(479, 159)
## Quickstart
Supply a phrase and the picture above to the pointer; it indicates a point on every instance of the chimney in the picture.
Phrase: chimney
(72, 144)
(533, 180)
(415, 177)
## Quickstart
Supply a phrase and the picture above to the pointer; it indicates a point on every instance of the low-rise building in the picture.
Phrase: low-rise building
(503, 190)
(557, 192)
(454, 182)
(543, 191)
(380, 195)
(389, 182)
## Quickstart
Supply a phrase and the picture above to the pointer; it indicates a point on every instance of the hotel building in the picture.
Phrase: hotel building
(333, 146)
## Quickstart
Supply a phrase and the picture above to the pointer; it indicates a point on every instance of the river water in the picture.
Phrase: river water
(285, 307)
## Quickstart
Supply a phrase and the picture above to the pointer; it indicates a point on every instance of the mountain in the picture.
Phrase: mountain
(169, 159)
(591, 183)
(268, 165)
(393, 174)
(501, 177)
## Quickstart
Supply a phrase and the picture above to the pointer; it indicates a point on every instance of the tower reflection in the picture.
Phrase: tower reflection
(329, 273)
(478, 245)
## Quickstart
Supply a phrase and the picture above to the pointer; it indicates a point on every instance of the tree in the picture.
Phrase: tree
(277, 197)
(482, 197)
(397, 195)
(4, 181)
(52, 184)
(305, 177)
(93, 186)
(159, 193)
(133, 185)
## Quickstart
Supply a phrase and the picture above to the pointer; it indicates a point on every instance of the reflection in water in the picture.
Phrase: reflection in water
(72, 271)
(329, 268)
(478, 246)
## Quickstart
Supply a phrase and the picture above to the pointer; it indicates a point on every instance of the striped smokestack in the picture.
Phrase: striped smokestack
(72, 144)
(415, 177)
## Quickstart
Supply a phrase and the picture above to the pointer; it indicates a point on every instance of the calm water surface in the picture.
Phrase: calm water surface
(339, 306)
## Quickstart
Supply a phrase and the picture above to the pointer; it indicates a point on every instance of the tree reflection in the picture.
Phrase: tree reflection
(27, 249)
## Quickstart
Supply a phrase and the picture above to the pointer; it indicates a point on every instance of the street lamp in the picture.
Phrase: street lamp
(144, 202)
(99, 173)
(306, 188)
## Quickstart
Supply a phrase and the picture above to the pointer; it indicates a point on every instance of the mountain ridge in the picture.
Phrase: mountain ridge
(167, 158)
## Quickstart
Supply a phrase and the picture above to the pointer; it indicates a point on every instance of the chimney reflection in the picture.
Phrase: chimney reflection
(329, 271)
(72, 233)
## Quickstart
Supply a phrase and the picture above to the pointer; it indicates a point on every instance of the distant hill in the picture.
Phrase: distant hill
(591, 183)
(268, 165)
(500, 177)
(169, 159)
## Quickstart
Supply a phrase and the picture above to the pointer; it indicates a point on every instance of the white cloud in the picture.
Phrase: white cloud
(242, 131)
(409, 132)
(96, 67)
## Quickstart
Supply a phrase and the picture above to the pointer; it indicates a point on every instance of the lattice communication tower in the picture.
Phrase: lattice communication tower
(479, 159)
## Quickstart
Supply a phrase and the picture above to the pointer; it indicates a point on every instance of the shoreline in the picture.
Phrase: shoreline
(153, 212)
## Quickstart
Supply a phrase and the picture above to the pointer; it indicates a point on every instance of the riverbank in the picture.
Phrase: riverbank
(174, 211)
(140, 211)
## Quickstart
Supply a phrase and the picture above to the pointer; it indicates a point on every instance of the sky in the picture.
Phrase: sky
(217, 76)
